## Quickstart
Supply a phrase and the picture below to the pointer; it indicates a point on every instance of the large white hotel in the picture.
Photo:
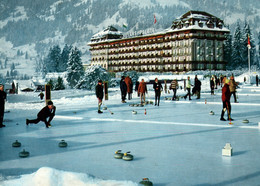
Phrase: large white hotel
(194, 42)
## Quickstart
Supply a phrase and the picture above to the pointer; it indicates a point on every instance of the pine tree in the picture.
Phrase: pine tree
(228, 52)
(258, 57)
(91, 77)
(51, 83)
(237, 43)
(62, 67)
(75, 69)
(6, 60)
(53, 59)
(59, 85)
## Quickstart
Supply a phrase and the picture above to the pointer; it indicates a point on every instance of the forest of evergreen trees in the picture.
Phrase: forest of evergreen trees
(236, 49)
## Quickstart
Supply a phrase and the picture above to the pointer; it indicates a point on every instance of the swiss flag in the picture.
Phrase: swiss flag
(154, 19)
(248, 41)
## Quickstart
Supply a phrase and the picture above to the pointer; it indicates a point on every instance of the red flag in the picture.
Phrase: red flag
(154, 19)
(248, 41)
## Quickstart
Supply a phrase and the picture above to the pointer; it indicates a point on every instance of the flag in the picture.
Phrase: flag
(248, 41)
(154, 19)
(125, 25)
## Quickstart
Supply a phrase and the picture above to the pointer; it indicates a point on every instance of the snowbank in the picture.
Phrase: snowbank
(52, 177)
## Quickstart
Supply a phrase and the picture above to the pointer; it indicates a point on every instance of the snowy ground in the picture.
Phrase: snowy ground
(178, 143)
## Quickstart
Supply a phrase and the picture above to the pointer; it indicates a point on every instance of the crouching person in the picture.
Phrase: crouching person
(46, 112)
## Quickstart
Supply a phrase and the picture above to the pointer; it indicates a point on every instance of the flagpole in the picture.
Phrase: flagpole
(249, 47)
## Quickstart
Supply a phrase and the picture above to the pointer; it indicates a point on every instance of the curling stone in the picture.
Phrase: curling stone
(131, 105)
(136, 105)
(211, 113)
(118, 154)
(24, 154)
(245, 121)
(128, 157)
(16, 144)
(146, 181)
(63, 143)
(104, 108)
(134, 112)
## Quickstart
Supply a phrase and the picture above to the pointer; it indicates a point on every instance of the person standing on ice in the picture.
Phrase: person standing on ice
(129, 86)
(226, 100)
(157, 86)
(188, 87)
(46, 112)
(123, 88)
(197, 87)
(173, 87)
(212, 85)
(41, 95)
(100, 95)
(2, 105)
(142, 89)
(232, 87)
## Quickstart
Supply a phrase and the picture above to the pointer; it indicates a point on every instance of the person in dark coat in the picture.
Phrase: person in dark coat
(136, 88)
(256, 80)
(157, 86)
(197, 87)
(212, 86)
(41, 95)
(100, 95)
(2, 105)
(46, 112)
(226, 101)
(123, 88)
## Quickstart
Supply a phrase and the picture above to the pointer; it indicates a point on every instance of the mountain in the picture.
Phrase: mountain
(32, 27)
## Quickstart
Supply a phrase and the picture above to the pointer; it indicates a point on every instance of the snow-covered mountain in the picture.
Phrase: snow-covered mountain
(32, 27)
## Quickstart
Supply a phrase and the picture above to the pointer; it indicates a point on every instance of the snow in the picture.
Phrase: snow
(150, 3)
(177, 143)
(17, 15)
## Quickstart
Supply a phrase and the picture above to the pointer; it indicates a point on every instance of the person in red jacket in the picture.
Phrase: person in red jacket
(226, 101)
(46, 112)
(129, 85)
(142, 89)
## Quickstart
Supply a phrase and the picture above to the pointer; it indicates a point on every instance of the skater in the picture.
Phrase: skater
(212, 85)
(226, 101)
(41, 95)
(188, 87)
(100, 95)
(142, 89)
(123, 88)
(46, 112)
(197, 87)
(157, 86)
(232, 87)
(136, 88)
(129, 85)
(173, 87)
(2, 105)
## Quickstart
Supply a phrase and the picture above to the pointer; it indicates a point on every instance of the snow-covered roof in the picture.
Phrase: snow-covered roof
(107, 33)
(24, 84)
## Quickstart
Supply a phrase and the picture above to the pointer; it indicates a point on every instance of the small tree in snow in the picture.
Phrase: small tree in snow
(91, 77)
(59, 85)
(75, 69)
